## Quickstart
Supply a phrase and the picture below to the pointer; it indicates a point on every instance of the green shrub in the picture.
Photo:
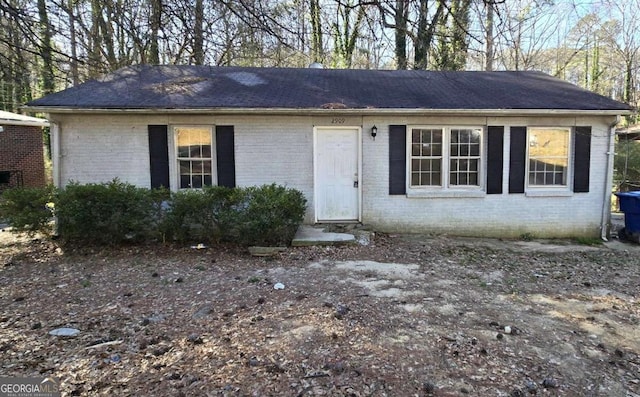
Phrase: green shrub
(115, 212)
(108, 213)
(197, 215)
(265, 215)
(28, 209)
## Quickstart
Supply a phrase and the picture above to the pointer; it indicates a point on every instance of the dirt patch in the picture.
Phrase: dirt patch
(407, 315)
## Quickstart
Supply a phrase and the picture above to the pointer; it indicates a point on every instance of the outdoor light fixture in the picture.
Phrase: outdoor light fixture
(374, 132)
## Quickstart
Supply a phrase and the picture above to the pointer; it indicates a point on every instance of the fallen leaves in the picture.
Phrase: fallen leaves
(417, 315)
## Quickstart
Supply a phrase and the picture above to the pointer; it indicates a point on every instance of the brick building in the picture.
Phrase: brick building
(21, 151)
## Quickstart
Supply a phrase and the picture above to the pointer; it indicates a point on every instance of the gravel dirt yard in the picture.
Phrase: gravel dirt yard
(407, 315)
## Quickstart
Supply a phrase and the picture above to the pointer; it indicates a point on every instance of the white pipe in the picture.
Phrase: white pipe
(606, 206)
(55, 153)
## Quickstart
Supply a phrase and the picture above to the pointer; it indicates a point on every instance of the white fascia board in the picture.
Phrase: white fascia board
(315, 111)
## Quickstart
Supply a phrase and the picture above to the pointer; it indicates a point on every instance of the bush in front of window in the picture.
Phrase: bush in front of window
(108, 213)
(28, 209)
(198, 215)
(116, 212)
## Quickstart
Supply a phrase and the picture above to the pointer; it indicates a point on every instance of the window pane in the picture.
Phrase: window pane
(425, 165)
(474, 150)
(183, 151)
(425, 136)
(415, 179)
(185, 181)
(548, 142)
(196, 167)
(436, 180)
(463, 172)
(464, 150)
(473, 179)
(464, 136)
(208, 180)
(475, 136)
(185, 167)
(415, 136)
(415, 149)
(437, 149)
(455, 136)
(194, 147)
(196, 181)
(558, 179)
(548, 156)
(455, 149)
(436, 136)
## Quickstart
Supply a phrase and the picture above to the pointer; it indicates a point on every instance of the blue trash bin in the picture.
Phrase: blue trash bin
(629, 203)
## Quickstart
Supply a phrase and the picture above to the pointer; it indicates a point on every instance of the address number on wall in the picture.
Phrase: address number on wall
(338, 120)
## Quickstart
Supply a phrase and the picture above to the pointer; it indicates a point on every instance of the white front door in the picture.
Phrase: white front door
(337, 183)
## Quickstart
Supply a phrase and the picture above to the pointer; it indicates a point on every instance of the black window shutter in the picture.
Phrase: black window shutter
(517, 159)
(225, 154)
(582, 159)
(397, 159)
(495, 150)
(158, 156)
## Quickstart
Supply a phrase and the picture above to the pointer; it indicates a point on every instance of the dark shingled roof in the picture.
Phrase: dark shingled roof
(207, 87)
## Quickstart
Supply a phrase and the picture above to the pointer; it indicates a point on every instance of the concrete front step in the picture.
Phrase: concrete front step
(308, 235)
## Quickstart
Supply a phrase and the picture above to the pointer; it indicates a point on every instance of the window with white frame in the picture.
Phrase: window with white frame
(194, 155)
(445, 157)
(548, 156)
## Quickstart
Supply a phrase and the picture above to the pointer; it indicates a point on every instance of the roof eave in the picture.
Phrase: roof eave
(317, 111)
(27, 123)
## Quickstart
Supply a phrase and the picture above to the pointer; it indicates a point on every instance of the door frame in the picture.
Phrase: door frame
(318, 130)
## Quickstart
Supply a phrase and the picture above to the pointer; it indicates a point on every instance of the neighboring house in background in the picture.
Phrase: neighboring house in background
(631, 132)
(466, 153)
(21, 151)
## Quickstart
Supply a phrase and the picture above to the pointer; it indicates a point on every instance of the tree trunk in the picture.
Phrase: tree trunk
(316, 32)
(154, 27)
(401, 16)
(459, 44)
(198, 34)
(488, 65)
(628, 81)
(426, 34)
(420, 60)
(48, 85)
(73, 43)
(106, 31)
(95, 55)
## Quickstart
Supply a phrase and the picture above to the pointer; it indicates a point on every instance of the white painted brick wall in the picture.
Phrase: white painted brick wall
(492, 215)
(279, 149)
(99, 148)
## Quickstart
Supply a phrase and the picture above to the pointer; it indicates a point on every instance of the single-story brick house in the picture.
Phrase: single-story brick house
(466, 153)
(21, 151)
